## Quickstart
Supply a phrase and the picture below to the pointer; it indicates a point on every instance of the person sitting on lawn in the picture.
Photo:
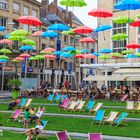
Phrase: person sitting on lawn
(13, 104)
(26, 117)
(34, 131)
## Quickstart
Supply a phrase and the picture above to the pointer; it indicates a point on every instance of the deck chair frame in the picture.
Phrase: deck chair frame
(95, 133)
(66, 134)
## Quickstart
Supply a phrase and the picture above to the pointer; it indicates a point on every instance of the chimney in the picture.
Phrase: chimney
(44, 7)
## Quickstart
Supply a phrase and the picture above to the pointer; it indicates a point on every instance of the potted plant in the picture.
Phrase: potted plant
(15, 83)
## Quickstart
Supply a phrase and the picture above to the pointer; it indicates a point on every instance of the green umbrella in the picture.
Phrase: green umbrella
(73, 3)
(33, 58)
(29, 42)
(19, 32)
(4, 57)
(119, 36)
(44, 52)
(138, 54)
(16, 61)
(69, 32)
(138, 16)
(122, 20)
(116, 55)
(74, 52)
(126, 52)
(104, 57)
(39, 56)
(16, 38)
(5, 51)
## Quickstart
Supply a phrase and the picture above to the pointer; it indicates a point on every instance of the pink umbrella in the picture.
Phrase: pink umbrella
(83, 30)
(24, 55)
(87, 40)
(50, 56)
(19, 58)
(6, 41)
(38, 33)
(79, 56)
(90, 56)
(49, 50)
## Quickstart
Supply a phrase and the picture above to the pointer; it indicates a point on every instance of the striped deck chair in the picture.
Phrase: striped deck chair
(111, 117)
(15, 115)
(57, 97)
(28, 102)
(65, 103)
(50, 97)
(120, 119)
(95, 136)
(72, 106)
(90, 106)
(80, 105)
(130, 106)
(23, 102)
(124, 98)
(62, 135)
(99, 117)
(97, 107)
(137, 108)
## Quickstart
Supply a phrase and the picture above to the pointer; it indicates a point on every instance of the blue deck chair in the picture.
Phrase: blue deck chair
(23, 102)
(120, 118)
(50, 97)
(90, 105)
(99, 116)
(57, 97)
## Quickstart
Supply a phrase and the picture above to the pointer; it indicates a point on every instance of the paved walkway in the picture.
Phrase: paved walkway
(74, 116)
(72, 134)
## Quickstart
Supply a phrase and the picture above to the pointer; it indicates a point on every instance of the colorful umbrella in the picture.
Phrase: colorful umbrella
(66, 55)
(16, 61)
(24, 55)
(43, 52)
(33, 58)
(133, 46)
(3, 61)
(58, 27)
(5, 51)
(57, 53)
(69, 48)
(104, 57)
(96, 54)
(102, 28)
(49, 50)
(50, 56)
(4, 57)
(135, 23)
(122, 20)
(87, 40)
(7, 35)
(119, 36)
(6, 41)
(19, 32)
(74, 52)
(90, 56)
(38, 33)
(39, 56)
(105, 50)
(69, 32)
(73, 3)
(116, 55)
(2, 28)
(29, 42)
(16, 38)
(131, 56)
(19, 58)
(83, 30)
(79, 56)
(26, 48)
(84, 51)
(29, 20)
(138, 54)
(126, 52)
(100, 12)
(49, 34)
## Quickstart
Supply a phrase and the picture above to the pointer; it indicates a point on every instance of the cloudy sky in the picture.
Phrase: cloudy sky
(82, 13)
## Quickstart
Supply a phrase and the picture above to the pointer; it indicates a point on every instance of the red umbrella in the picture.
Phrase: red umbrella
(135, 23)
(90, 56)
(133, 46)
(49, 50)
(79, 56)
(83, 30)
(24, 55)
(19, 58)
(50, 56)
(38, 33)
(30, 20)
(87, 40)
(6, 41)
(100, 12)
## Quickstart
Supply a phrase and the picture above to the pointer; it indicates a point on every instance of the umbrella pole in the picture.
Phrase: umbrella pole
(59, 72)
(44, 71)
(25, 68)
(2, 78)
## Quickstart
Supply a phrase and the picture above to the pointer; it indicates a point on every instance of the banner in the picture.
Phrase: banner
(23, 66)
(69, 67)
(58, 48)
(92, 60)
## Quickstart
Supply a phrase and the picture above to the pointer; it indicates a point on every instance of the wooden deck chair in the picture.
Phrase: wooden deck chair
(72, 106)
(80, 105)
(130, 106)
(23, 102)
(124, 98)
(43, 110)
(120, 119)
(90, 106)
(64, 104)
(111, 117)
(137, 107)
(15, 115)
(95, 136)
(50, 97)
(62, 135)
(28, 102)
(99, 117)
(57, 97)
(97, 107)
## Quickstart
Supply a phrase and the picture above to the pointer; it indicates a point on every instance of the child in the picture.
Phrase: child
(26, 117)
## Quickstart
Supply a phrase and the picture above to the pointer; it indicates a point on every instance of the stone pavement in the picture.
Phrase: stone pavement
(72, 134)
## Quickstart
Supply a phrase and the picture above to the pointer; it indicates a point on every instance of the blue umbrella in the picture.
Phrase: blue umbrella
(96, 54)
(105, 50)
(84, 51)
(69, 48)
(57, 53)
(131, 56)
(26, 48)
(7, 36)
(2, 28)
(102, 28)
(66, 55)
(3, 61)
(58, 27)
(128, 5)
(49, 34)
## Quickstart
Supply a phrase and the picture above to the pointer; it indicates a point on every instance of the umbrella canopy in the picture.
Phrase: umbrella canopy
(4, 57)
(29, 20)
(83, 30)
(19, 58)
(39, 56)
(74, 52)
(6, 41)
(102, 28)
(105, 50)
(49, 34)
(135, 23)
(100, 12)
(122, 20)
(73, 3)
(38, 33)
(138, 15)
(16, 38)
(138, 54)
(29, 42)
(131, 56)
(66, 55)
(5, 51)
(50, 56)
(116, 55)
(84, 51)
(96, 54)
(16, 61)
(49, 50)
(69, 48)
(19, 32)
(79, 56)
(119, 36)
(104, 57)
(58, 27)
(3, 61)
(26, 48)
(24, 55)
(57, 53)
(127, 5)
(69, 32)
(2, 28)
(33, 58)
(90, 56)
(133, 46)
(87, 40)
(43, 52)
(126, 52)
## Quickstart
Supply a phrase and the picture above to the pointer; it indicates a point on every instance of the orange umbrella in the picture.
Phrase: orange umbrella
(19, 58)
(49, 50)
(83, 30)
(38, 33)
(50, 56)
(90, 56)
(6, 41)
(24, 55)
(87, 40)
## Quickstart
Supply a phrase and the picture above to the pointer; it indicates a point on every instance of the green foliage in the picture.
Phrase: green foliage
(15, 94)
(15, 83)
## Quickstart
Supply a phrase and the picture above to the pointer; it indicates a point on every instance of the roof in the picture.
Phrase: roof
(45, 20)
(53, 17)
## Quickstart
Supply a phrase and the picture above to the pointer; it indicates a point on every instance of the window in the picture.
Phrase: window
(3, 21)
(43, 29)
(16, 7)
(3, 4)
(26, 11)
(65, 39)
(43, 46)
(51, 63)
(119, 46)
(25, 27)
(34, 13)
(65, 65)
(72, 40)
